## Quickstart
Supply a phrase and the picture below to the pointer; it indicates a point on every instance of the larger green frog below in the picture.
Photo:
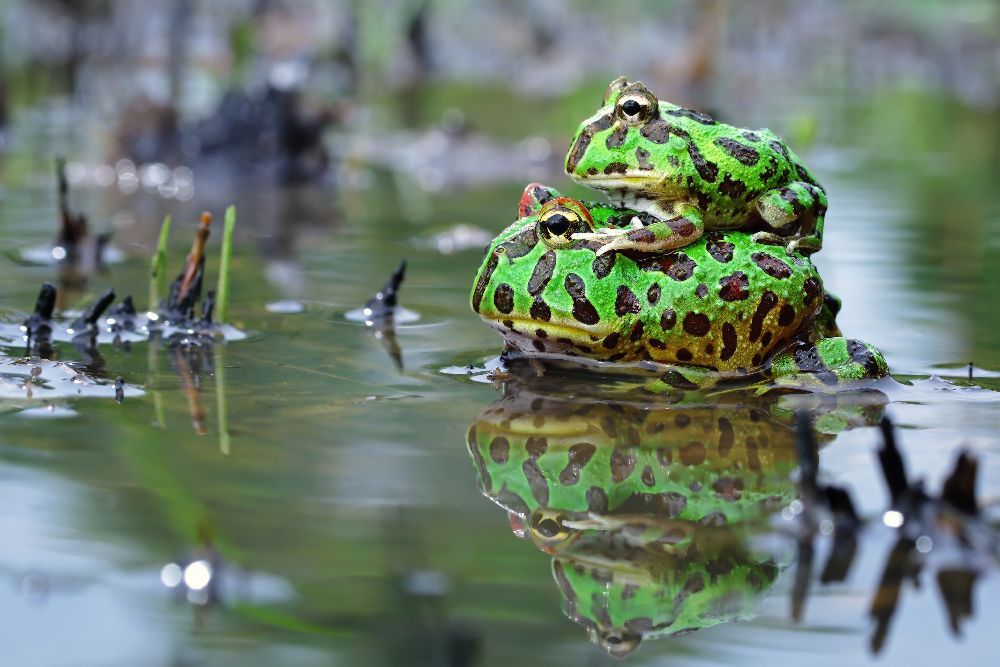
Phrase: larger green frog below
(723, 306)
(692, 173)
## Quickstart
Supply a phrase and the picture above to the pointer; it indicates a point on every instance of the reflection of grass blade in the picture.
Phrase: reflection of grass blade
(157, 278)
(220, 397)
(225, 257)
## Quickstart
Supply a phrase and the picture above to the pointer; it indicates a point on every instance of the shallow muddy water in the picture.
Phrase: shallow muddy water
(337, 501)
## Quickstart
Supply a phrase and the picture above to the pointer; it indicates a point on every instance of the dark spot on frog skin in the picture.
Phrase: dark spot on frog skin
(807, 360)
(537, 198)
(541, 333)
(813, 288)
(709, 349)
(540, 310)
(768, 300)
(668, 319)
(728, 342)
(653, 294)
(484, 281)
(657, 343)
(681, 226)
(639, 236)
(756, 360)
(583, 141)
(664, 456)
(579, 455)
(622, 463)
(765, 340)
(657, 130)
(786, 315)
(709, 171)
(779, 148)
(647, 476)
(726, 437)
(676, 265)
(744, 154)
(592, 171)
(751, 136)
(536, 480)
(696, 116)
(597, 499)
(674, 379)
(734, 287)
(684, 354)
(792, 197)
(682, 420)
(626, 302)
(701, 291)
(503, 298)
(603, 264)
(771, 265)
(721, 251)
(768, 172)
(583, 309)
(642, 157)
(860, 354)
(732, 187)
(522, 244)
(628, 593)
(692, 454)
(500, 449)
(542, 273)
(538, 345)
(616, 168)
(637, 331)
(612, 340)
(697, 324)
(617, 137)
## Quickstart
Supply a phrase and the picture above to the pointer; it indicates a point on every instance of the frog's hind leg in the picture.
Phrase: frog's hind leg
(797, 201)
(828, 362)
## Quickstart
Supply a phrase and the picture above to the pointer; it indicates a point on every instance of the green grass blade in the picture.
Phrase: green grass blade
(222, 291)
(158, 267)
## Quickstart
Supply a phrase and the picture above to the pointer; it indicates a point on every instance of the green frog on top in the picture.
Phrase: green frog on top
(691, 173)
(722, 306)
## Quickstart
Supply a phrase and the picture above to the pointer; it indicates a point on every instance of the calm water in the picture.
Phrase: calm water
(344, 505)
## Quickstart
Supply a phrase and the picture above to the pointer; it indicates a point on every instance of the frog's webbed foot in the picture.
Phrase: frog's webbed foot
(828, 363)
(796, 202)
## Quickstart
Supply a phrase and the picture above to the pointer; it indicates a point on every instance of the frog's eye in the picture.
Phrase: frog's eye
(547, 530)
(559, 220)
(635, 108)
(615, 86)
(618, 644)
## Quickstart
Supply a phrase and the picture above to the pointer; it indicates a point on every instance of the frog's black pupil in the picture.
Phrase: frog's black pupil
(548, 527)
(557, 224)
(631, 107)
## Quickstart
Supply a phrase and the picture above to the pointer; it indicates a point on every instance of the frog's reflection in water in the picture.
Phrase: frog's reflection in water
(648, 507)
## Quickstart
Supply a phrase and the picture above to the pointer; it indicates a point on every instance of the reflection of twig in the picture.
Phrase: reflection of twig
(190, 384)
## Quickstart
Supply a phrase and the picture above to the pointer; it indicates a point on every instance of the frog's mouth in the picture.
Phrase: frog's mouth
(632, 190)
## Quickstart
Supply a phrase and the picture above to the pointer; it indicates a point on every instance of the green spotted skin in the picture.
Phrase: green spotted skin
(623, 603)
(693, 173)
(714, 465)
(722, 306)
(643, 507)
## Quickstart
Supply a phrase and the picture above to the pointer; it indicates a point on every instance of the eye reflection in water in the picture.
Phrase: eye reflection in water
(663, 516)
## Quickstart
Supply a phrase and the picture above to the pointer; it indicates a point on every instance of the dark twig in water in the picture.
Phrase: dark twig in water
(893, 469)
(87, 322)
(73, 226)
(379, 312)
(970, 371)
(385, 299)
(38, 326)
(186, 288)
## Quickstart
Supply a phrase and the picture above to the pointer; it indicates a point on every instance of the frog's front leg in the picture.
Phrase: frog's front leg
(683, 226)
(797, 201)
(828, 362)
